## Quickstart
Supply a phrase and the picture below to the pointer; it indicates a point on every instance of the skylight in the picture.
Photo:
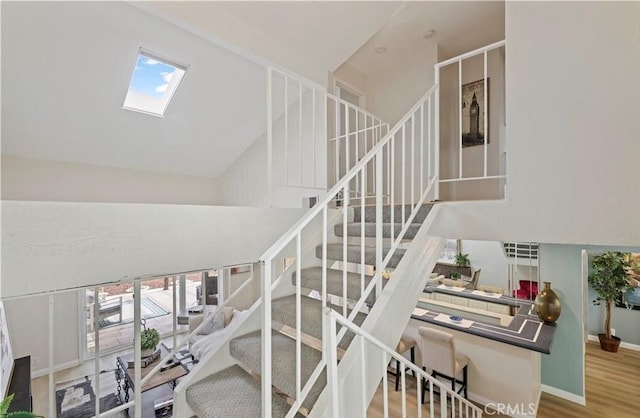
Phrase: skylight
(153, 84)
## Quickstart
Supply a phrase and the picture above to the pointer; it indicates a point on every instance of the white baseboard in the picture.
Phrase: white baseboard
(628, 346)
(572, 397)
(57, 368)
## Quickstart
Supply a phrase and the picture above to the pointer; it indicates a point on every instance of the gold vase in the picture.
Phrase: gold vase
(548, 304)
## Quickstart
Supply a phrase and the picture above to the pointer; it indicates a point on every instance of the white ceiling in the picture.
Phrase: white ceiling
(308, 37)
(67, 65)
(460, 27)
(65, 72)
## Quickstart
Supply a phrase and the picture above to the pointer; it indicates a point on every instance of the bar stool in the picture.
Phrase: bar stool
(439, 355)
(406, 344)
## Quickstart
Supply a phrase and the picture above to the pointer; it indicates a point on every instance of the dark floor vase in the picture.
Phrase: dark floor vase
(548, 304)
(611, 344)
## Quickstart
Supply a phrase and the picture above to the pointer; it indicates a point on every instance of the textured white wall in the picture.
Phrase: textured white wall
(45, 180)
(51, 245)
(572, 152)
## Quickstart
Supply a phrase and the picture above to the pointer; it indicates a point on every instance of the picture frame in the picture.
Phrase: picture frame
(630, 299)
(472, 101)
(449, 252)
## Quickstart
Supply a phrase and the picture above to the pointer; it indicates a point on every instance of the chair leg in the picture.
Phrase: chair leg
(464, 380)
(397, 374)
(424, 388)
(413, 359)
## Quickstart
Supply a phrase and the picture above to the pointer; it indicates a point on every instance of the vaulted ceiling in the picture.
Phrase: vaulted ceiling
(66, 67)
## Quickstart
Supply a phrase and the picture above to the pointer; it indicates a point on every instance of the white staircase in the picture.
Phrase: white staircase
(319, 339)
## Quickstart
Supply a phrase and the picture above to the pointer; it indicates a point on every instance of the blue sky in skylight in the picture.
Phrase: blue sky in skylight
(151, 77)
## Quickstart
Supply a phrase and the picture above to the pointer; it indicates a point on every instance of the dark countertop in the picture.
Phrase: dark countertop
(525, 330)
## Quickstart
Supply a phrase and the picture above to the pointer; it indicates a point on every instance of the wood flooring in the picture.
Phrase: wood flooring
(612, 390)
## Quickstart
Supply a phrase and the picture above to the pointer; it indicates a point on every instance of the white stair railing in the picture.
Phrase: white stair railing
(302, 118)
(405, 169)
(483, 110)
(451, 403)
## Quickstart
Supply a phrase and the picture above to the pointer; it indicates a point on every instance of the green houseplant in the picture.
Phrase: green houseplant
(462, 260)
(149, 339)
(610, 280)
(4, 410)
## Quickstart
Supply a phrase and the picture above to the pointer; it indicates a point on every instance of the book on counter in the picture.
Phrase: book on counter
(145, 361)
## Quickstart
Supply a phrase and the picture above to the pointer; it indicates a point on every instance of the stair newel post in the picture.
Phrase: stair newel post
(436, 141)
(266, 338)
(332, 361)
(379, 184)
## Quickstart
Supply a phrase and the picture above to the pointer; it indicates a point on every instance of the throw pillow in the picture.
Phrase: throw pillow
(212, 323)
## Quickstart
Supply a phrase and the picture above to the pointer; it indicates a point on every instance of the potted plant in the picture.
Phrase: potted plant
(462, 260)
(4, 410)
(149, 339)
(610, 280)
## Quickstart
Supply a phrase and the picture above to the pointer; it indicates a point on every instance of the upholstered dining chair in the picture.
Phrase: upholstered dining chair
(406, 344)
(474, 280)
(439, 355)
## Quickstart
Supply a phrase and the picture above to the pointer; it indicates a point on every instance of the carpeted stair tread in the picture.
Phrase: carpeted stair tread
(247, 350)
(334, 252)
(284, 311)
(370, 213)
(230, 393)
(354, 230)
(312, 279)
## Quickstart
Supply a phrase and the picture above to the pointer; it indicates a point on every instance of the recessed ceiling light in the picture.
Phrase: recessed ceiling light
(380, 50)
(429, 33)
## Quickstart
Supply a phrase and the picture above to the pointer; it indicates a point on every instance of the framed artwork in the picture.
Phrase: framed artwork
(631, 299)
(6, 356)
(449, 252)
(473, 129)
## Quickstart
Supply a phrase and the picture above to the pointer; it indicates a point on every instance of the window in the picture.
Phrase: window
(153, 84)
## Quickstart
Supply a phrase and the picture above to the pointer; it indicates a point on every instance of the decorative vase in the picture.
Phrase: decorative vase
(146, 352)
(547, 304)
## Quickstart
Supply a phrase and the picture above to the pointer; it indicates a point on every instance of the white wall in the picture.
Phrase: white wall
(392, 92)
(472, 157)
(572, 156)
(29, 327)
(349, 75)
(54, 245)
(32, 179)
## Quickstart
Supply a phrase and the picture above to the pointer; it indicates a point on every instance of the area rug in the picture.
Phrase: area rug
(79, 400)
(148, 309)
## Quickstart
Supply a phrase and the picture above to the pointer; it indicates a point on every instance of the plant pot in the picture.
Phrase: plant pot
(611, 344)
(146, 352)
